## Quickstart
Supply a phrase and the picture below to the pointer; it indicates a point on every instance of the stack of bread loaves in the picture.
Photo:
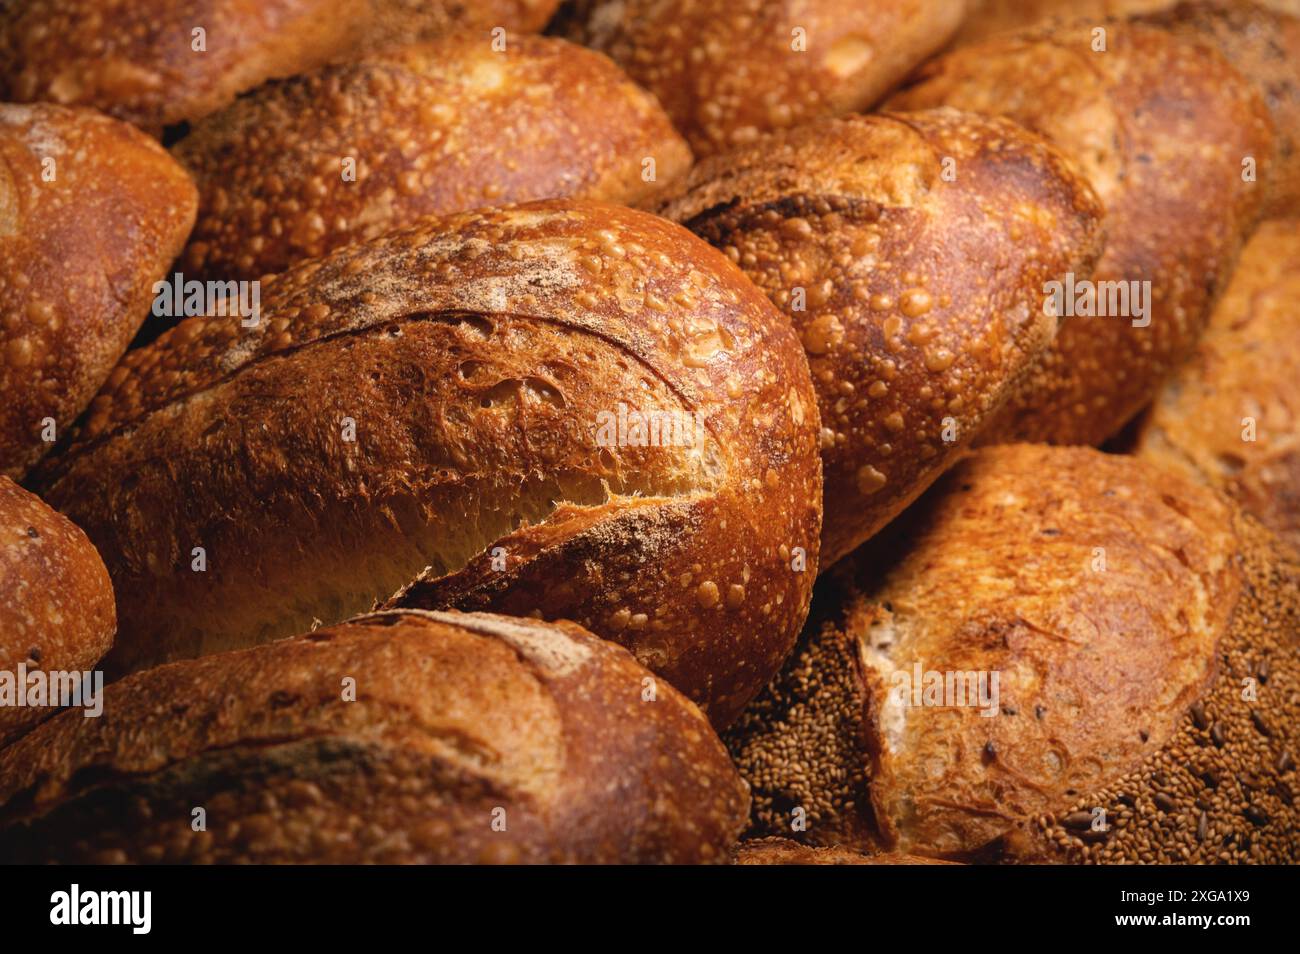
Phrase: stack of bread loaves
(422, 457)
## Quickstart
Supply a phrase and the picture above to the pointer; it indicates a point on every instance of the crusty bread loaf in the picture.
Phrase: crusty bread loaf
(1231, 415)
(1162, 127)
(142, 61)
(1144, 636)
(783, 851)
(91, 214)
(393, 738)
(56, 603)
(409, 21)
(910, 251)
(728, 70)
(453, 397)
(1265, 46)
(987, 18)
(299, 168)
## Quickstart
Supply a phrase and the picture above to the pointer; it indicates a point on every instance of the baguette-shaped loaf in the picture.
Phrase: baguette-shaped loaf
(575, 410)
(56, 603)
(1231, 415)
(1165, 130)
(159, 62)
(393, 738)
(728, 70)
(910, 251)
(299, 168)
(91, 214)
(1143, 635)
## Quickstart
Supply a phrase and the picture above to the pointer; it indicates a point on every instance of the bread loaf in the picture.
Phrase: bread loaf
(782, 851)
(910, 251)
(408, 21)
(1165, 129)
(727, 71)
(1264, 45)
(567, 409)
(1143, 636)
(300, 168)
(91, 214)
(159, 62)
(1231, 416)
(56, 604)
(393, 738)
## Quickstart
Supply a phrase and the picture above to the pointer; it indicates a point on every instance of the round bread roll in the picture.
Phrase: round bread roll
(1143, 636)
(393, 738)
(56, 603)
(159, 62)
(910, 251)
(728, 70)
(297, 169)
(1231, 416)
(570, 410)
(1164, 129)
(783, 851)
(91, 214)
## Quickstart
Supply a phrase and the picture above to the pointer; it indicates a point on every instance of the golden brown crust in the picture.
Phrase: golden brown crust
(1265, 46)
(409, 21)
(299, 168)
(56, 603)
(467, 738)
(475, 356)
(1231, 416)
(729, 70)
(140, 60)
(91, 214)
(1161, 126)
(910, 251)
(782, 851)
(1103, 592)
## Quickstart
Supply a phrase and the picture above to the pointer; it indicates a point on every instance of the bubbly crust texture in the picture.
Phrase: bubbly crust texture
(299, 168)
(91, 214)
(729, 70)
(137, 59)
(1231, 415)
(461, 398)
(910, 252)
(1121, 606)
(1160, 126)
(56, 602)
(783, 851)
(466, 738)
(1265, 46)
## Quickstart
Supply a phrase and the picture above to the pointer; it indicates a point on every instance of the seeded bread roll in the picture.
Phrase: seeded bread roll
(91, 214)
(910, 251)
(1161, 127)
(1231, 416)
(56, 603)
(1144, 638)
(393, 738)
(159, 62)
(782, 851)
(462, 398)
(728, 70)
(297, 169)
(1265, 46)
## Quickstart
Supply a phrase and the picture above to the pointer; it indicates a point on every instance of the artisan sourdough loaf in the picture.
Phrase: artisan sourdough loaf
(728, 70)
(393, 738)
(1231, 416)
(910, 251)
(91, 214)
(56, 605)
(1144, 638)
(571, 410)
(299, 168)
(1166, 130)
